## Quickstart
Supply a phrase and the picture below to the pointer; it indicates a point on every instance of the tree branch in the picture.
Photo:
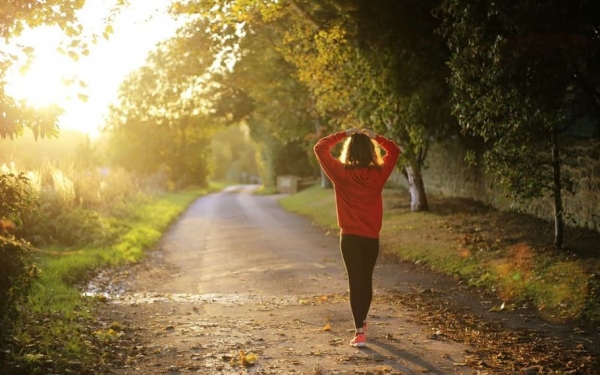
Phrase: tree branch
(307, 16)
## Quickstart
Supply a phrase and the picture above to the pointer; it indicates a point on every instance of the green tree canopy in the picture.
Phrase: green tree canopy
(257, 87)
(160, 121)
(376, 64)
(518, 72)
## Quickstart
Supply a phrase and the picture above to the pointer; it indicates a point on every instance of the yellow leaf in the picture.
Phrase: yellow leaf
(327, 327)
(498, 308)
(73, 55)
(249, 359)
(246, 359)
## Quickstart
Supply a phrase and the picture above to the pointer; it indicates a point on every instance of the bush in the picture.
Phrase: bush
(75, 206)
(17, 271)
(69, 227)
(15, 197)
(17, 274)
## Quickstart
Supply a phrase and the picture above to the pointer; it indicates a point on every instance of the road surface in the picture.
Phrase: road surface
(240, 286)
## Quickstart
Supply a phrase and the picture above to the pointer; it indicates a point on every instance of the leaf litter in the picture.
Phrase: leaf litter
(518, 351)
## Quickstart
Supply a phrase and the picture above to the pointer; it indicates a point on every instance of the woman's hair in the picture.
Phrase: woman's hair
(360, 151)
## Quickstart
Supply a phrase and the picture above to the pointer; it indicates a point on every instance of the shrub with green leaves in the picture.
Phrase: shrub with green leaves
(17, 274)
(74, 227)
(17, 271)
(76, 206)
(15, 196)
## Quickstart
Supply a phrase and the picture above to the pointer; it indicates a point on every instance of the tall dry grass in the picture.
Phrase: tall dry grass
(76, 205)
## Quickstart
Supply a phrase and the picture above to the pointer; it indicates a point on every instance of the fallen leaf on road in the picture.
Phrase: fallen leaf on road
(244, 359)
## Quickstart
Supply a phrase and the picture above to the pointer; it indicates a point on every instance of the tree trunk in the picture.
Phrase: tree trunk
(557, 193)
(418, 198)
(267, 170)
(325, 181)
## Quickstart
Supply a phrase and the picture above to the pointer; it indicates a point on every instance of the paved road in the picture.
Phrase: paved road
(236, 242)
(238, 273)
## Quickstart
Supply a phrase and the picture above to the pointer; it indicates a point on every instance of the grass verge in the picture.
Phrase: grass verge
(57, 331)
(505, 253)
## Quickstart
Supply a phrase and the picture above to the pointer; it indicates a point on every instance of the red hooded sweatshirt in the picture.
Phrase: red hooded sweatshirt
(358, 198)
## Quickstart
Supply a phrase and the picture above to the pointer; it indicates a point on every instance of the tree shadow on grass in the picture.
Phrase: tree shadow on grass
(469, 216)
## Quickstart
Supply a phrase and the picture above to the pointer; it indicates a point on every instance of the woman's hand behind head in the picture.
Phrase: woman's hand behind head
(368, 132)
(352, 131)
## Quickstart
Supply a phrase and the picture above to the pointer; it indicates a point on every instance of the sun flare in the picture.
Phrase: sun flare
(84, 87)
(43, 84)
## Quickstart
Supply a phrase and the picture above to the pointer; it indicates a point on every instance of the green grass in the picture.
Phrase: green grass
(316, 203)
(462, 245)
(56, 326)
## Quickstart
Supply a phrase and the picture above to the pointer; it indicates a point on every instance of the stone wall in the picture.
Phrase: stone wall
(447, 174)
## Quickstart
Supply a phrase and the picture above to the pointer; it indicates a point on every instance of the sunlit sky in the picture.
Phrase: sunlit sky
(137, 29)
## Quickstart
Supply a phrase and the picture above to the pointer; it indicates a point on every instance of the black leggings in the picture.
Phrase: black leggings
(360, 255)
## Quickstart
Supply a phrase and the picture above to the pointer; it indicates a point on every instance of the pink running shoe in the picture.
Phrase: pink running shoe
(359, 341)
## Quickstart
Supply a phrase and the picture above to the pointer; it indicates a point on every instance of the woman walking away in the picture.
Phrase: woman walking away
(358, 177)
